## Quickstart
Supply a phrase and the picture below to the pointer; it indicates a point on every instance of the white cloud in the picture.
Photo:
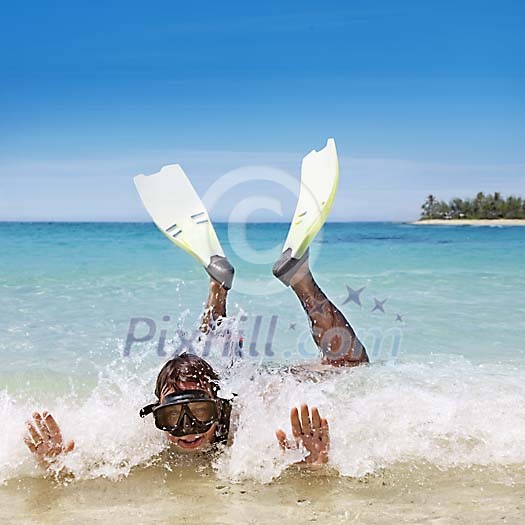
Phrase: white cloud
(370, 189)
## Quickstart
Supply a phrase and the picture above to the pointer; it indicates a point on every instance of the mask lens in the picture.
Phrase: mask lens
(203, 411)
(167, 416)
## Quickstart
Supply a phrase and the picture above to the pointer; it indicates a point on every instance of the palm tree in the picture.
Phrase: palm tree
(428, 207)
(478, 205)
(456, 208)
(513, 208)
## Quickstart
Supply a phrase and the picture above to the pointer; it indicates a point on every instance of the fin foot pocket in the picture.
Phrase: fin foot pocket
(286, 267)
(221, 270)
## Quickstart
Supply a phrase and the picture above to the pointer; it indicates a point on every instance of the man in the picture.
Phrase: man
(188, 408)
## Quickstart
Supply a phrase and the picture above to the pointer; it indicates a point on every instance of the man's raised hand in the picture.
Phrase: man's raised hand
(312, 432)
(44, 439)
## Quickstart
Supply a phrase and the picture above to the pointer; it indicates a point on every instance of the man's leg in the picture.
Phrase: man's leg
(331, 331)
(215, 307)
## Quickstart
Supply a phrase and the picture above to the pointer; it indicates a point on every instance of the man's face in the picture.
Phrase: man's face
(191, 443)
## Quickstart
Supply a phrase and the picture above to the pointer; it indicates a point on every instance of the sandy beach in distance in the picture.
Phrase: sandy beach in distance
(472, 222)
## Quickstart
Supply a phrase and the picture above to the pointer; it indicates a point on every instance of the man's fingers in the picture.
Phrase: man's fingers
(281, 437)
(42, 426)
(316, 423)
(54, 429)
(44, 438)
(296, 424)
(325, 432)
(305, 418)
(33, 432)
(30, 444)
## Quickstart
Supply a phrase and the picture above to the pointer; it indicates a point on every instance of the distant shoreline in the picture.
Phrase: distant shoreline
(471, 222)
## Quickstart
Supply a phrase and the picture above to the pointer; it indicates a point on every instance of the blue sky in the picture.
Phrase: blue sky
(420, 96)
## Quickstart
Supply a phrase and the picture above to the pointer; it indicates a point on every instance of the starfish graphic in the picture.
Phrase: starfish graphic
(292, 326)
(399, 318)
(379, 305)
(353, 296)
(318, 306)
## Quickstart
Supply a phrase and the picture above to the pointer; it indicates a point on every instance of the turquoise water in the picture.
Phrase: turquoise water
(69, 291)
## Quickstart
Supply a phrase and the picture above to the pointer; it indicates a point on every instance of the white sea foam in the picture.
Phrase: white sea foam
(447, 413)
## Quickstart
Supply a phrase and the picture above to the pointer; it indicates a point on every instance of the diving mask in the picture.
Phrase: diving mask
(185, 412)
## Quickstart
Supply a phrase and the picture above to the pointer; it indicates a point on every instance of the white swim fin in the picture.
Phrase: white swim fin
(319, 182)
(179, 213)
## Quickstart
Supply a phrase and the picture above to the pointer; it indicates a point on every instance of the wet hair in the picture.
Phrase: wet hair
(187, 368)
(192, 368)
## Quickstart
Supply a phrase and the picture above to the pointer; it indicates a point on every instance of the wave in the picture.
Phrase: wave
(447, 413)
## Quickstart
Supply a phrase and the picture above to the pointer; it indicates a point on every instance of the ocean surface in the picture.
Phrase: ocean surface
(441, 405)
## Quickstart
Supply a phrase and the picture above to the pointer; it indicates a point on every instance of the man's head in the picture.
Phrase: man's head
(182, 376)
